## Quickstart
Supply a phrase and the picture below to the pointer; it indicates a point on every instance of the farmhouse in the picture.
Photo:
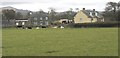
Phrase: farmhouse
(32, 22)
(40, 21)
(88, 16)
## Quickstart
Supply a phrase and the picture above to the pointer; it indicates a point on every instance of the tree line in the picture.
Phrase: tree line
(111, 13)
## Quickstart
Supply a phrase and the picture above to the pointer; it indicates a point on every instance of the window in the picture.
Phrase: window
(23, 23)
(91, 19)
(91, 14)
(46, 23)
(46, 18)
(35, 18)
(35, 23)
(17, 23)
(80, 19)
(41, 23)
(41, 18)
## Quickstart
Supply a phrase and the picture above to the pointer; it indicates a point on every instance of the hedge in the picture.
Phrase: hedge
(97, 24)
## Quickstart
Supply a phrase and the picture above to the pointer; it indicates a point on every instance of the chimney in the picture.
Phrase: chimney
(83, 8)
(93, 9)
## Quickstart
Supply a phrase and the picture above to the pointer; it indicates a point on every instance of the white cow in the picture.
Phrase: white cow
(61, 27)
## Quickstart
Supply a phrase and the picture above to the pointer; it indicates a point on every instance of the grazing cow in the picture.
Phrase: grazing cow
(61, 27)
(29, 27)
(44, 27)
(19, 27)
(37, 28)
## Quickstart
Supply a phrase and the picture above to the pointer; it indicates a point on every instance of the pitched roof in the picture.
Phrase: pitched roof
(92, 14)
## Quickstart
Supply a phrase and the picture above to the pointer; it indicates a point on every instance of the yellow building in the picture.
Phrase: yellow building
(88, 16)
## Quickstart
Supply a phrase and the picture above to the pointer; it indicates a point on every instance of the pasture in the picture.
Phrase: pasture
(60, 42)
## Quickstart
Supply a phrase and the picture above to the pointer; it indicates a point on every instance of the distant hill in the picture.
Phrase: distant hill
(8, 7)
(24, 12)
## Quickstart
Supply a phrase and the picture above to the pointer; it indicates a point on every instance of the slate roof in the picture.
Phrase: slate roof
(17, 20)
(21, 19)
(92, 14)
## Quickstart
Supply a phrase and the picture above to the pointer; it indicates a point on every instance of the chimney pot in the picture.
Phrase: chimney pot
(83, 8)
(93, 9)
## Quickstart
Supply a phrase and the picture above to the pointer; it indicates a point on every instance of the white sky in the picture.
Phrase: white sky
(59, 5)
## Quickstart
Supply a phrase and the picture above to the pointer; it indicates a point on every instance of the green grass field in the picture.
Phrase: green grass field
(60, 42)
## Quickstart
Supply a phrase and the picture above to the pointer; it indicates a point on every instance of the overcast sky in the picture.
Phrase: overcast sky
(59, 5)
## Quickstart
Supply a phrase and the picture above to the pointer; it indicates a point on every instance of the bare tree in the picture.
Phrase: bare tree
(112, 10)
(111, 6)
(77, 9)
(52, 13)
(71, 9)
(119, 5)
